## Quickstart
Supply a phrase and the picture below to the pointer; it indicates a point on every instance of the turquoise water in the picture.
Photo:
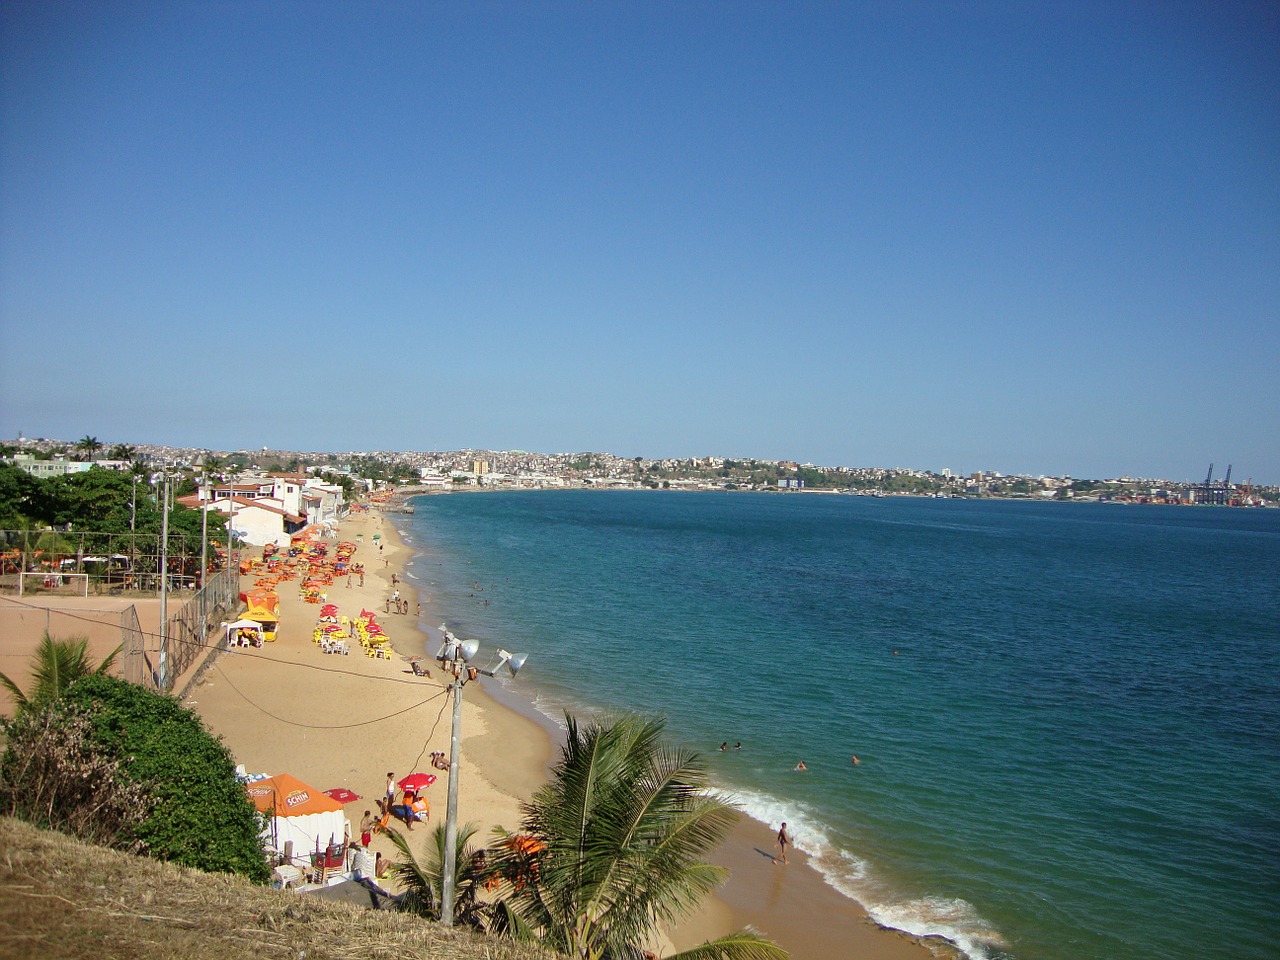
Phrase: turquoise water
(1066, 714)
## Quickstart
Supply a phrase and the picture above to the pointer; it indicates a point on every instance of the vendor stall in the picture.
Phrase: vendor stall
(264, 607)
(298, 814)
(243, 633)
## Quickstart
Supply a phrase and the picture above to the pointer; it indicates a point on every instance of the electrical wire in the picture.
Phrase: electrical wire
(211, 646)
(284, 663)
(336, 726)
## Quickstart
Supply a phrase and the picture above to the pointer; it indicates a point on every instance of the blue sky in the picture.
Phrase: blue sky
(1027, 237)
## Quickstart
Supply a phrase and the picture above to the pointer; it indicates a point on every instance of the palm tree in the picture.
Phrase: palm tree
(123, 451)
(89, 445)
(423, 882)
(619, 832)
(57, 664)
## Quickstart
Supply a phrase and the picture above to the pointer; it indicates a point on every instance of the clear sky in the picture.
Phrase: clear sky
(1016, 236)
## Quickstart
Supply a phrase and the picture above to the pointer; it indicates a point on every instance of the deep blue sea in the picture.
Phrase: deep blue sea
(1066, 714)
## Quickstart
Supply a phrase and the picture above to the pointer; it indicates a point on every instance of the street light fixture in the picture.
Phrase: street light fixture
(455, 657)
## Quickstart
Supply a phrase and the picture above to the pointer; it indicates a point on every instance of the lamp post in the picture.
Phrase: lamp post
(133, 535)
(204, 551)
(164, 588)
(455, 656)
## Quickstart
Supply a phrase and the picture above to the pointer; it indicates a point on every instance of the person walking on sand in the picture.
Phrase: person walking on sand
(784, 841)
(391, 790)
(366, 828)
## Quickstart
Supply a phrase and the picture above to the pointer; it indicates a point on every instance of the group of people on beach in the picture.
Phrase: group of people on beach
(412, 808)
(397, 601)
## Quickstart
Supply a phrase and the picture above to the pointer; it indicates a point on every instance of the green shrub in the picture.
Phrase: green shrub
(200, 815)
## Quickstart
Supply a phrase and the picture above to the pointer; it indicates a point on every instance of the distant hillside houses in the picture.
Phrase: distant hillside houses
(59, 467)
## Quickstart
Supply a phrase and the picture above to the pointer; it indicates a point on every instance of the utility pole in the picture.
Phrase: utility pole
(204, 554)
(162, 673)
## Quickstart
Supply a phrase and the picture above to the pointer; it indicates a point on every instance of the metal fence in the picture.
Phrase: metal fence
(157, 661)
(116, 563)
(145, 658)
(134, 664)
(188, 631)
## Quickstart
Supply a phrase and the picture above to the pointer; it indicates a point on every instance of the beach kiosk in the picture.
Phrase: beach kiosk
(264, 608)
(242, 633)
(302, 818)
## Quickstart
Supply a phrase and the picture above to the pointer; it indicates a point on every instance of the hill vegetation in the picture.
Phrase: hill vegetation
(64, 899)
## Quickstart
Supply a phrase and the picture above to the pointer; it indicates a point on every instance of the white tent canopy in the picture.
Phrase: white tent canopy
(231, 629)
(302, 815)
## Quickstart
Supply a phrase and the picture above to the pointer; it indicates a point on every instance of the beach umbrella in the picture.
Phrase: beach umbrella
(417, 781)
(342, 795)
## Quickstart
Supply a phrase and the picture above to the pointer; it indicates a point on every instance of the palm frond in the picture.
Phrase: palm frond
(742, 945)
(625, 821)
(110, 660)
(419, 890)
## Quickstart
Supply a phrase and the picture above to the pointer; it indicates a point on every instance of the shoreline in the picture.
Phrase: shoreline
(791, 904)
(336, 721)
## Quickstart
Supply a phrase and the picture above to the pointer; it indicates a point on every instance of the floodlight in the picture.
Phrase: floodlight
(468, 649)
(515, 661)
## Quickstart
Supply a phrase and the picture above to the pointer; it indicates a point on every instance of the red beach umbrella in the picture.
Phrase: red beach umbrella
(417, 781)
(342, 795)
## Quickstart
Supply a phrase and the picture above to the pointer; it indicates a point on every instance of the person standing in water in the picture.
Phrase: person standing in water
(784, 841)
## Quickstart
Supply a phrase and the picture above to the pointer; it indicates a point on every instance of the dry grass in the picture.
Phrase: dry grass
(63, 899)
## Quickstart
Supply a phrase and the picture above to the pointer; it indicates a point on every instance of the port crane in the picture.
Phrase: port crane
(1216, 493)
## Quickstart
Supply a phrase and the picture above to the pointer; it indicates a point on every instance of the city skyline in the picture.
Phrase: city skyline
(462, 457)
(1037, 239)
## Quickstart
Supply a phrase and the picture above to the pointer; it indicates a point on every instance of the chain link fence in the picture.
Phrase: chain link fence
(117, 564)
(157, 662)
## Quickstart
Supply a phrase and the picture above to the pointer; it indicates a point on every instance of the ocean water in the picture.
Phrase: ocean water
(1065, 714)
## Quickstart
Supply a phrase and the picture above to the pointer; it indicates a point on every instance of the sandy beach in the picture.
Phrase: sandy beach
(345, 721)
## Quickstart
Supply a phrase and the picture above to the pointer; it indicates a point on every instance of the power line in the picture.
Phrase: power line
(338, 726)
(212, 646)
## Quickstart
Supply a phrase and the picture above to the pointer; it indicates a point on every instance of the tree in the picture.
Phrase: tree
(89, 446)
(423, 882)
(620, 828)
(56, 665)
(123, 451)
(17, 492)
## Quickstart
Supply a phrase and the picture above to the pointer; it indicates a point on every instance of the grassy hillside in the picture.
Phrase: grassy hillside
(60, 898)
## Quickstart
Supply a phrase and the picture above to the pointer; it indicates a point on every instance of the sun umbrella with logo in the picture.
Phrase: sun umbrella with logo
(342, 795)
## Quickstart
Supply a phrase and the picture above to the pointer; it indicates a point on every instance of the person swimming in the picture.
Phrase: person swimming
(801, 766)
